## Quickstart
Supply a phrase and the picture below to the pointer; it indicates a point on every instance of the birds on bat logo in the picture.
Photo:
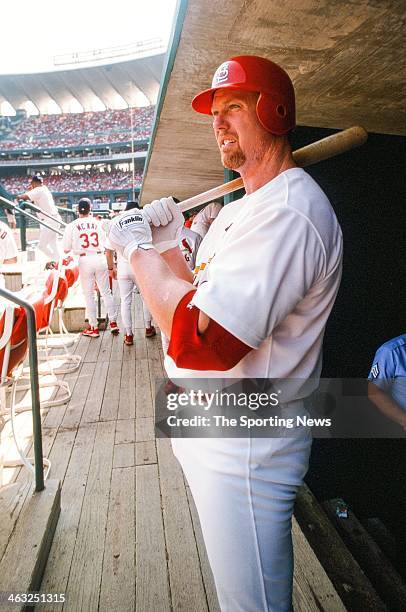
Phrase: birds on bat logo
(129, 221)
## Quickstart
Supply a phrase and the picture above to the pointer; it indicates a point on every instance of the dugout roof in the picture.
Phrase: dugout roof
(346, 59)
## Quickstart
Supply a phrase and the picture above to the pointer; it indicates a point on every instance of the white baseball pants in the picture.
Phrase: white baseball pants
(126, 287)
(48, 240)
(94, 268)
(244, 490)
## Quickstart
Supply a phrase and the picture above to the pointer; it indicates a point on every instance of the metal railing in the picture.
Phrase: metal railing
(6, 203)
(66, 211)
(33, 361)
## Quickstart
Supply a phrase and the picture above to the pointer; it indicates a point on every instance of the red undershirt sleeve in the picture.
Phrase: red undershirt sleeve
(215, 349)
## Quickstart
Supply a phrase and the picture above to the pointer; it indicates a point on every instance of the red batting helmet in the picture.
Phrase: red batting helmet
(276, 103)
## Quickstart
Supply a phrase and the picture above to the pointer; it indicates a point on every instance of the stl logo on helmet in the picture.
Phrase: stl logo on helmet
(221, 74)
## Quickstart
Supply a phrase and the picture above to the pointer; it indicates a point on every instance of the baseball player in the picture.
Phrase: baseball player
(40, 195)
(387, 386)
(189, 243)
(204, 218)
(268, 274)
(85, 238)
(387, 391)
(126, 283)
(8, 248)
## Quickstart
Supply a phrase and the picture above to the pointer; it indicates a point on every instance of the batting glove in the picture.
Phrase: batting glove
(167, 222)
(129, 232)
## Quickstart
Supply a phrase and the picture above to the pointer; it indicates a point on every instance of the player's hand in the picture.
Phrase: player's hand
(129, 232)
(167, 221)
(113, 273)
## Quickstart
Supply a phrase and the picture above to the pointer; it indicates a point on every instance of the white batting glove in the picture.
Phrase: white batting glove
(167, 222)
(129, 232)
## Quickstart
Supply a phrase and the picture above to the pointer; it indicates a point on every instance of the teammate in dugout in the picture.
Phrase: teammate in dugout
(8, 249)
(124, 275)
(189, 243)
(205, 217)
(85, 238)
(387, 380)
(269, 272)
(40, 195)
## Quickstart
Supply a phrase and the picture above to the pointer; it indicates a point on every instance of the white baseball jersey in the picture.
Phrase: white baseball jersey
(124, 270)
(189, 244)
(42, 197)
(268, 272)
(201, 223)
(84, 235)
(8, 247)
(126, 285)
(105, 223)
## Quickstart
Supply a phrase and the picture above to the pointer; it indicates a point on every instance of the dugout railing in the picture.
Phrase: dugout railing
(25, 215)
(34, 383)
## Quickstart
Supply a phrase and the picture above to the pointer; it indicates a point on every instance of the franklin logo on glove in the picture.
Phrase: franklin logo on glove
(128, 221)
(129, 232)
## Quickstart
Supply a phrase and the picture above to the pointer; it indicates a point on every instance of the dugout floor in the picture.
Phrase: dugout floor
(128, 536)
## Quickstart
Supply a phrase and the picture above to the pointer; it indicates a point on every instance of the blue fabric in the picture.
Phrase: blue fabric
(388, 369)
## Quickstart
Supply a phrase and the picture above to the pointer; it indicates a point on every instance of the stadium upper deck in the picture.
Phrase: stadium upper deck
(76, 129)
(97, 152)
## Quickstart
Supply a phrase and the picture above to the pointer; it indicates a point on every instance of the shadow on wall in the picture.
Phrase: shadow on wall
(367, 189)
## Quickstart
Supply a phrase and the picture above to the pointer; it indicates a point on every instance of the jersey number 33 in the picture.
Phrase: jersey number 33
(89, 240)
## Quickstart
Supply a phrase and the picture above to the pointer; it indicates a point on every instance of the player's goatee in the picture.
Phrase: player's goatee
(233, 160)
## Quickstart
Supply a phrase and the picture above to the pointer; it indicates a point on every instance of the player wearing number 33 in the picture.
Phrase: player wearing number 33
(85, 238)
(268, 272)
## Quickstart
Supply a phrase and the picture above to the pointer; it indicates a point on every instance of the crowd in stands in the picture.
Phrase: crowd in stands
(75, 129)
(91, 180)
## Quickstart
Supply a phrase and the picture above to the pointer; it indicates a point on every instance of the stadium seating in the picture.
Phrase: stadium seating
(91, 180)
(76, 129)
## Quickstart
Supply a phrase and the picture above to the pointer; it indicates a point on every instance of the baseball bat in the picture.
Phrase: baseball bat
(306, 156)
